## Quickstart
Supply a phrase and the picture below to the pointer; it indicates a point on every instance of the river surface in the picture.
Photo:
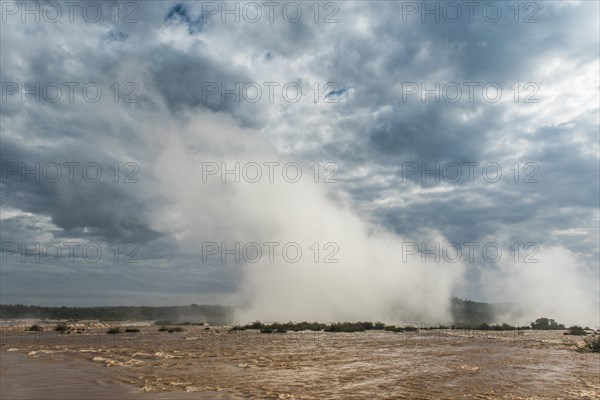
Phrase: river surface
(217, 364)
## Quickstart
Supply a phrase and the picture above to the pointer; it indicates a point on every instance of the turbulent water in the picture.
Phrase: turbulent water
(199, 363)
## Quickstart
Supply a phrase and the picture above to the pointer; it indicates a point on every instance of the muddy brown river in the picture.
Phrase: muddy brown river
(217, 364)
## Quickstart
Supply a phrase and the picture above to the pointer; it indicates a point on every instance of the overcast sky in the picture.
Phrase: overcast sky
(388, 90)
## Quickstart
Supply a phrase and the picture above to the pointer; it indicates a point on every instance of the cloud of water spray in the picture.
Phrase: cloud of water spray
(560, 286)
(370, 281)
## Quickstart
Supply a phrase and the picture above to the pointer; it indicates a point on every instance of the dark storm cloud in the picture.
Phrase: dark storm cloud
(435, 132)
(179, 13)
(189, 79)
(426, 134)
(75, 204)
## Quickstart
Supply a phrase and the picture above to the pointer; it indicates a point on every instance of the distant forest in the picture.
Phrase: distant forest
(192, 313)
(463, 311)
(472, 312)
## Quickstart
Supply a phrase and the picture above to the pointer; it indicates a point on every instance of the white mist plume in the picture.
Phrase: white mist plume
(559, 286)
(370, 281)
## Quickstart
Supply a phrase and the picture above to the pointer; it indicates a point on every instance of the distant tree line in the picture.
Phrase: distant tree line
(472, 312)
(192, 313)
(467, 314)
(361, 326)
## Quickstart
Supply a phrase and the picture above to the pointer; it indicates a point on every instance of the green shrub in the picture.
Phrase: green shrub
(379, 326)
(287, 326)
(392, 328)
(594, 344)
(507, 327)
(349, 327)
(576, 330)
(132, 330)
(163, 329)
(546, 324)
(36, 328)
(61, 328)
(114, 331)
